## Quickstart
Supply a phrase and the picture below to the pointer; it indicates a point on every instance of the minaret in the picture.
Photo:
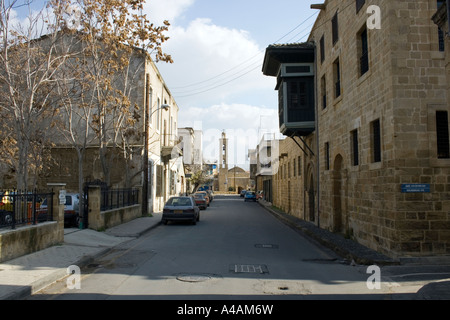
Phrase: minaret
(223, 163)
(223, 166)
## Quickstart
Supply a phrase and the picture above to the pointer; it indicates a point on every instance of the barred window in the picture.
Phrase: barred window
(442, 133)
(363, 52)
(335, 28)
(337, 78)
(376, 141)
(322, 49)
(354, 146)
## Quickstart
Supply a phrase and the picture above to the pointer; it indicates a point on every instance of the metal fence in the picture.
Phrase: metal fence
(25, 207)
(118, 198)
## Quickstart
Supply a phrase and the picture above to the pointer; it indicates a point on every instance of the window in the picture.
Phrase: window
(359, 4)
(335, 28)
(323, 87)
(294, 167)
(354, 146)
(363, 53)
(148, 97)
(158, 111)
(299, 99)
(441, 34)
(327, 156)
(337, 78)
(322, 49)
(159, 180)
(442, 133)
(376, 141)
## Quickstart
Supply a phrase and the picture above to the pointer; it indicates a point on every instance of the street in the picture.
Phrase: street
(236, 251)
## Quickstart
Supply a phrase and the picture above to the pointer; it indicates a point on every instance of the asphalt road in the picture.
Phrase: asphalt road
(236, 251)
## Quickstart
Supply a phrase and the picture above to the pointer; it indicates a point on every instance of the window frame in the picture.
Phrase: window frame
(442, 135)
(354, 147)
(375, 137)
(363, 51)
(335, 28)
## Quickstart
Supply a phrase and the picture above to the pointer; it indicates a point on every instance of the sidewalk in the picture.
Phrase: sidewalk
(25, 275)
(346, 248)
(356, 253)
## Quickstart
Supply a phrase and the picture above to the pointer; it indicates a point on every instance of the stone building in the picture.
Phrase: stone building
(376, 164)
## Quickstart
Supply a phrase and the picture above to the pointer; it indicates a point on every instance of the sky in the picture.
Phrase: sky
(218, 48)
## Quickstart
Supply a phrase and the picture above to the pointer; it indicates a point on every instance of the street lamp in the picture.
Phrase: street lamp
(145, 166)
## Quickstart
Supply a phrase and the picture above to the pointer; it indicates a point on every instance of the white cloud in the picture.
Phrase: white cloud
(212, 63)
(160, 10)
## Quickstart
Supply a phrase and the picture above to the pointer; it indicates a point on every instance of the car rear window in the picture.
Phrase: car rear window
(179, 202)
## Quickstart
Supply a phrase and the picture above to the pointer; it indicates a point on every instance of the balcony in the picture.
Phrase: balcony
(293, 65)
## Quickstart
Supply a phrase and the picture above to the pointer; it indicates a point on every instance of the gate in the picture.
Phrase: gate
(84, 221)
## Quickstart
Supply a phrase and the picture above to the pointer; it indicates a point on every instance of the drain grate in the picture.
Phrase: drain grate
(249, 268)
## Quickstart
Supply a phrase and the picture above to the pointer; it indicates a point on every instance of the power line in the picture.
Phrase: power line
(238, 75)
(219, 75)
(220, 85)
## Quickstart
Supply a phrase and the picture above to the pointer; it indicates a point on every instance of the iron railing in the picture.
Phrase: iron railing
(118, 198)
(25, 207)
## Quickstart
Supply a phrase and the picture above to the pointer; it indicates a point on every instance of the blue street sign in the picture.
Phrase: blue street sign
(415, 188)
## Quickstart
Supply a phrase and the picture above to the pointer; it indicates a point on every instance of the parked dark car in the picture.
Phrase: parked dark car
(181, 209)
(243, 192)
(250, 196)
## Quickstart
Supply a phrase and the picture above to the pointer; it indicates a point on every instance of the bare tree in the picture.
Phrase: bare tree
(114, 34)
(29, 58)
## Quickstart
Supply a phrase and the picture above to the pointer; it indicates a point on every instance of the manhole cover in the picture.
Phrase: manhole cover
(193, 277)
